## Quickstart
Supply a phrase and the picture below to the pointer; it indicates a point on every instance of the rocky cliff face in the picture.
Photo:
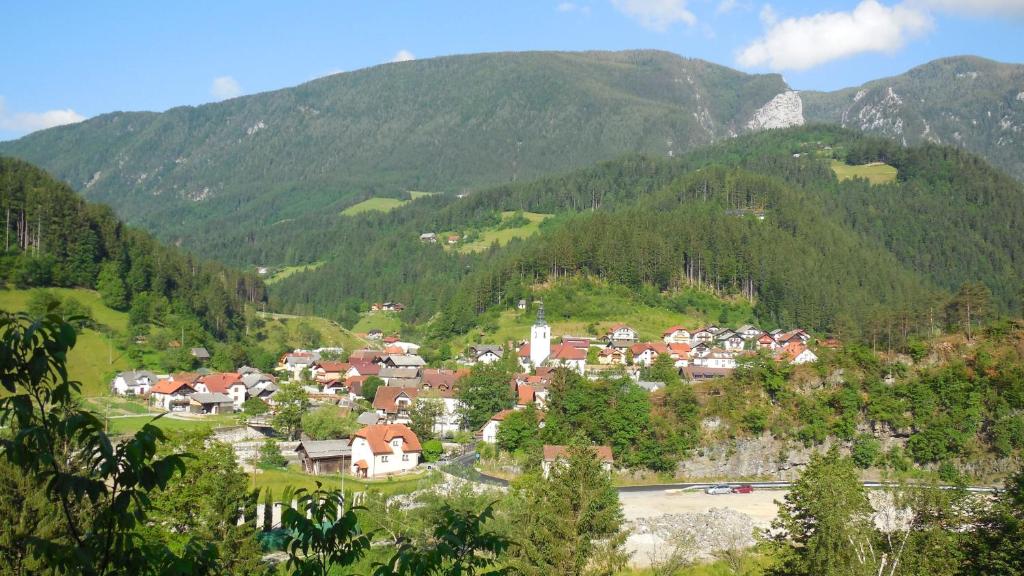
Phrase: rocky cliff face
(782, 111)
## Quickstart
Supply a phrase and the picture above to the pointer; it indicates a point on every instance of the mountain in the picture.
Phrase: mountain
(442, 124)
(53, 238)
(828, 254)
(968, 102)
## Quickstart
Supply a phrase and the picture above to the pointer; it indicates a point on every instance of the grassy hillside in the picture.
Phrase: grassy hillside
(875, 173)
(441, 124)
(287, 271)
(503, 233)
(96, 357)
(278, 332)
(388, 322)
(373, 205)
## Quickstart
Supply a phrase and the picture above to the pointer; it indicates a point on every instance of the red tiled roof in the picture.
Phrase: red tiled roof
(364, 356)
(658, 348)
(386, 396)
(672, 329)
(221, 381)
(440, 378)
(501, 415)
(554, 452)
(680, 349)
(526, 394)
(793, 349)
(545, 371)
(567, 352)
(333, 365)
(618, 327)
(524, 350)
(169, 387)
(379, 437)
(393, 350)
(366, 368)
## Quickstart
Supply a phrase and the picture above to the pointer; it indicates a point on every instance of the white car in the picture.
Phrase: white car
(718, 489)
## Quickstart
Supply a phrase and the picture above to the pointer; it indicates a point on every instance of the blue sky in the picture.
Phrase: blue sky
(65, 61)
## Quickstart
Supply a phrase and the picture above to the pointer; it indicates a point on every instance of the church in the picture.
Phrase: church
(539, 351)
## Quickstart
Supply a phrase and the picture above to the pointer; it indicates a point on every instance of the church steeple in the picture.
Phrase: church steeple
(540, 316)
(540, 339)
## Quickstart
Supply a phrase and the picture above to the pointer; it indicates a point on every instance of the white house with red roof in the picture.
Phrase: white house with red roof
(227, 383)
(393, 403)
(612, 355)
(680, 353)
(171, 394)
(645, 353)
(676, 335)
(798, 353)
(383, 449)
(621, 333)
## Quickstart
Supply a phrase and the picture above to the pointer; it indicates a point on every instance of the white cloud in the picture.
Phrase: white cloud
(25, 122)
(656, 14)
(225, 87)
(974, 7)
(403, 56)
(572, 7)
(768, 16)
(725, 6)
(802, 43)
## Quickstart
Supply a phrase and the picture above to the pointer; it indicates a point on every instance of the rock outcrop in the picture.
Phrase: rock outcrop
(782, 111)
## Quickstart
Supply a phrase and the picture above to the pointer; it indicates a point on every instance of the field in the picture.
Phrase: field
(281, 331)
(289, 270)
(95, 359)
(278, 480)
(132, 424)
(875, 172)
(505, 235)
(414, 194)
(388, 322)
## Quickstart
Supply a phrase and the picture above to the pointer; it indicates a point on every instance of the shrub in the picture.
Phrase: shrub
(432, 450)
(866, 451)
(270, 455)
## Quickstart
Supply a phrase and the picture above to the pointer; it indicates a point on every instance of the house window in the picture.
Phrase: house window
(383, 458)
(396, 442)
(405, 457)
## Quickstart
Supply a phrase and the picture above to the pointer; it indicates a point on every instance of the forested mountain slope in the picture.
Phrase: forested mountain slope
(51, 237)
(827, 254)
(967, 102)
(437, 125)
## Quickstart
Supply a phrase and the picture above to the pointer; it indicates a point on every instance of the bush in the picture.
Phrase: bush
(270, 456)
(866, 451)
(254, 407)
(755, 421)
(432, 450)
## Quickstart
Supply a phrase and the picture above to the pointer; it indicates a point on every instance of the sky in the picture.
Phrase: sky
(63, 62)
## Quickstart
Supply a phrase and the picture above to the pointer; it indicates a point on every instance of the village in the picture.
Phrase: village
(382, 386)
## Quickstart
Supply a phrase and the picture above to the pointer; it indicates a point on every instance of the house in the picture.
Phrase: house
(525, 395)
(717, 358)
(384, 449)
(325, 456)
(362, 369)
(570, 357)
(680, 353)
(403, 361)
(729, 340)
(399, 376)
(365, 356)
(650, 386)
(295, 362)
(612, 355)
(374, 334)
(228, 383)
(704, 335)
(489, 432)
(695, 373)
(676, 335)
(521, 305)
(797, 335)
(555, 453)
(699, 351)
(798, 353)
(327, 370)
(644, 354)
(443, 384)
(766, 342)
(368, 418)
(201, 354)
(210, 403)
(485, 353)
(392, 403)
(336, 387)
(621, 333)
(453, 239)
(581, 342)
(134, 383)
(171, 395)
(428, 237)
(749, 332)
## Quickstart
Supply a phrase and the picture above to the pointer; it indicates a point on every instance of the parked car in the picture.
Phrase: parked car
(742, 489)
(718, 489)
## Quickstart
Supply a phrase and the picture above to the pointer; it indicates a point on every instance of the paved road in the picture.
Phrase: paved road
(463, 467)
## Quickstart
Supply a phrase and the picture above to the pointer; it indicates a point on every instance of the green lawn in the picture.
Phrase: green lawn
(373, 204)
(506, 235)
(289, 270)
(278, 480)
(388, 322)
(15, 300)
(132, 424)
(414, 194)
(875, 172)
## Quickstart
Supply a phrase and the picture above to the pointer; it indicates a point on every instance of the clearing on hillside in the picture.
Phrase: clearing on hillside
(505, 235)
(382, 204)
(289, 270)
(874, 172)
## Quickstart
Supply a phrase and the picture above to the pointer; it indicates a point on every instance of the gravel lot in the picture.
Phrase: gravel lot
(711, 521)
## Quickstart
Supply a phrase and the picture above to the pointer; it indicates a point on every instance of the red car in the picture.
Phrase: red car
(742, 489)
